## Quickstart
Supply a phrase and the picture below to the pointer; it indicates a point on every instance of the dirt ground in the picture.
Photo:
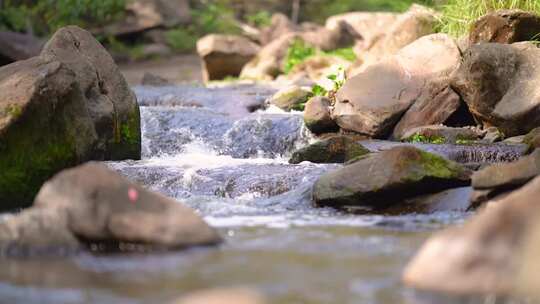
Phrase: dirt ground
(176, 69)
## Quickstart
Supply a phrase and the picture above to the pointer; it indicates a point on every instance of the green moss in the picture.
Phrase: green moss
(14, 110)
(127, 141)
(28, 159)
(438, 166)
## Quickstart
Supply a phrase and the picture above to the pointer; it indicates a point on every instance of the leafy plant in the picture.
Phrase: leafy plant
(345, 53)
(181, 39)
(297, 53)
(259, 19)
(459, 15)
(318, 90)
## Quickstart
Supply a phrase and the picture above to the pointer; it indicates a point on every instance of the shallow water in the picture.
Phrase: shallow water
(206, 149)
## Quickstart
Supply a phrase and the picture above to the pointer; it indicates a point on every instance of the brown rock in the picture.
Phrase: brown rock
(223, 296)
(280, 26)
(110, 101)
(372, 102)
(437, 104)
(152, 80)
(498, 83)
(484, 255)
(102, 206)
(443, 134)
(505, 26)
(16, 46)
(317, 116)
(334, 149)
(224, 55)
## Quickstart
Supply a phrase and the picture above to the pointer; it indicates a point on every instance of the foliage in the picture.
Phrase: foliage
(345, 53)
(46, 16)
(297, 53)
(181, 39)
(318, 90)
(459, 15)
(418, 138)
(259, 19)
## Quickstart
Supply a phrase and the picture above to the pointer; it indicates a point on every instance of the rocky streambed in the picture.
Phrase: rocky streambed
(229, 162)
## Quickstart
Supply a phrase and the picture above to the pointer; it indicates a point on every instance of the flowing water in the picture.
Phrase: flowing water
(206, 148)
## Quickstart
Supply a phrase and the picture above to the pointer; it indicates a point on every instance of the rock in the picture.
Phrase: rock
(417, 22)
(493, 135)
(443, 134)
(127, 212)
(223, 296)
(291, 98)
(269, 62)
(394, 175)
(110, 101)
(37, 232)
(484, 255)
(317, 116)
(498, 179)
(452, 200)
(143, 15)
(93, 207)
(505, 26)
(155, 50)
(152, 80)
(68, 106)
(16, 46)
(335, 149)
(508, 175)
(225, 55)
(372, 26)
(532, 139)
(342, 36)
(497, 81)
(372, 102)
(437, 104)
(280, 26)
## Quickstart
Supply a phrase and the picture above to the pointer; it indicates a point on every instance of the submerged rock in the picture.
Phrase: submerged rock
(499, 84)
(94, 207)
(336, 149)
(505, 26)
(65, 107)
(384, 179)
(224, 55)
(484, 255)
(318, 116)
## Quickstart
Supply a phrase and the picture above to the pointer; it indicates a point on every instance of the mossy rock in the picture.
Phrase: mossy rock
(336, 149)
(381, 180)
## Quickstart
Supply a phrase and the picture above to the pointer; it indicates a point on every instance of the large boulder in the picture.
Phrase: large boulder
(372, 102)
(16, 46)
(269, 62)
(385, 179)
(94, 207)
(484, 255)
(499, 84)
(68, 106)
(110, 101)
(141, 15)
(335, 149)
(225, 55)
(505, 26)
(417, 22)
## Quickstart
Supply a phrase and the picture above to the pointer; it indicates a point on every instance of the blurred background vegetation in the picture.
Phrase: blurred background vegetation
(42, 17)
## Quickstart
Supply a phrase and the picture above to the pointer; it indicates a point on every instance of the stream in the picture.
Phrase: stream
(217, 151)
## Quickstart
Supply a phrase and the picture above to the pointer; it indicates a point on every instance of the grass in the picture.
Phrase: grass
(459, 15)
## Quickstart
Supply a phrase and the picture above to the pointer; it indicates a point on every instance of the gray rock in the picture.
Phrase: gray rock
(335, 149)
(498, 83)
(318, 116)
